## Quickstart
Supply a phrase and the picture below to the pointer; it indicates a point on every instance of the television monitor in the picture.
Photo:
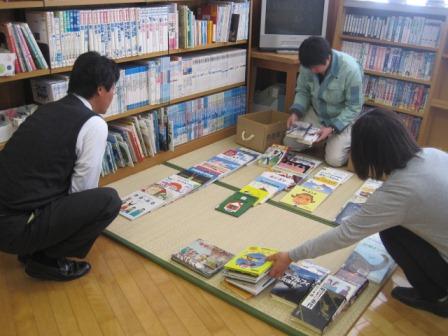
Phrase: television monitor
(286, 23)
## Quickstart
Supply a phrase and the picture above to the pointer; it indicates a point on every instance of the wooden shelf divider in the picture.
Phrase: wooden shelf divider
(20, 4)
(384, 42)
(398, 77)
(25, 75)
(393, 108)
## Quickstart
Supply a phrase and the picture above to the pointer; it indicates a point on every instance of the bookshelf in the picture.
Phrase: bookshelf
(20, 92)
(403, 60)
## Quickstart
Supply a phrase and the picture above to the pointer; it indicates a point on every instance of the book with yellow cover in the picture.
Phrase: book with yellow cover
(260, 194)
(251, 260)
(304, 198)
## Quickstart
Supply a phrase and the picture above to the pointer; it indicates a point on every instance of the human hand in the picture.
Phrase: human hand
(324, 133)
(293, 118)
(280, 262)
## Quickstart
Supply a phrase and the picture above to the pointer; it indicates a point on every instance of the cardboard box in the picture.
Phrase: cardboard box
(259, 130)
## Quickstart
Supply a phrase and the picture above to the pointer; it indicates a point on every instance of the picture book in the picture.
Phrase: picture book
(303, 132)
(252, 288)
(241, 156)
(211, 175)
(243, 276)
(215, 169)
(333, 176)
(265, 186)
(202, 257)
(311, 271)
(237, 204)
(163, 190)
(317, 185)
(225, 163)
(272, 156)
(304, 198)
(370, 259)
(279, 178)
(251, 260)
(356, 279)
(195, 177)
(292, 287)
(340, 286)
(139, 203)
(260, 194)
(367, 189)
(319, 308)
(180, 184)
(297, 164)
(349, 209)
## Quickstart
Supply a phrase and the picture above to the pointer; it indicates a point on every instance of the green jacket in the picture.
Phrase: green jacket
(338, 99)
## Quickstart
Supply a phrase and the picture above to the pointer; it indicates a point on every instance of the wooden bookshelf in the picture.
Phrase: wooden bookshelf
(206, 93)
(207, 47)
(393, 108)
(398, 77)
(25, 75)
(165, 156)
(440, 104)
(384, 42)
(20, 4)
(132, 112)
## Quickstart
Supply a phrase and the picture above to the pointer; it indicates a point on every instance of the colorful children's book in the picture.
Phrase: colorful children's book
(180, 184)
(272, 156)
(317, 185)
(241, 156)
(297, 164)
(356, 279)
(333, 176)
(367, 189)
(280, 178)
(244, 277)
(265, 186)
(139, 203)
(223, 162)
(304, 198)
(165, 190)
(370, 259)
(340, 286)
(198, 178)
(260, 194)
(251, 260)
(237, 204)
(202, 257)
(312, 271)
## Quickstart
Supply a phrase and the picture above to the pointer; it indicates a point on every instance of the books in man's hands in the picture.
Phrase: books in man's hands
(272, 156)
(370, 259)
(303, 132)
(251, 260)
(202, 257)
(237, 204)
(139, 203)
(319, 308)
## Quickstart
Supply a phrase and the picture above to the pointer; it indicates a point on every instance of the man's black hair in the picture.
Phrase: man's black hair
(90, 71)
(315, 50)
(380, 144)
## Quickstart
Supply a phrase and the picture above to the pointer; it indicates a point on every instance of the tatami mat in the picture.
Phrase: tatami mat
(159, 234)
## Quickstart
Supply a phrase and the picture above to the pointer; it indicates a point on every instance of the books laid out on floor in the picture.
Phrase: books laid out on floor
(296, 164)
(272, 156)
(311, 193)
(303, 132)
(249, 269)
(297, 281)
(173, 187)
(354, 204)
(202, 257)
(237, 204)
(370, 259)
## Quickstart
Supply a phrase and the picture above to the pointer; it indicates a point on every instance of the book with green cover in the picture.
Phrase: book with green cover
(237, 204)
(251, 260)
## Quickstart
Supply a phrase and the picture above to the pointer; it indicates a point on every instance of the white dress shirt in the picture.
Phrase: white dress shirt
(90, 147)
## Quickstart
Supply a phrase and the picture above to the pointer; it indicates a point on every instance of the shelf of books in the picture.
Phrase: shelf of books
(65, 3)
(398, 46)
(206, 47)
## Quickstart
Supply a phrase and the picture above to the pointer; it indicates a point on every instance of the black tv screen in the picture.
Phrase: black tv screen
(294, 17)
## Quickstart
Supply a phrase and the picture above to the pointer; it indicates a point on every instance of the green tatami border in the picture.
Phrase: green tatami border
(271, 202)
(202, 283)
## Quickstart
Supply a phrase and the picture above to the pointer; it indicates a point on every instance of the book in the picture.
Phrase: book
(317, 185)
(319, 308)
(266, 186)
(252, 288)
(336, 176)
(296, 164)
(202, 257)
(190, 175)
(312, 271)
(139, 203)
(241, 156)
(304, 198)
(279, 178)
(370, 259)
(340, 286)
(251, 260)
(292, 287)
(260, 194)
(303, 132)
(272, 156)
(349, 209)
(244, 277)
(233, 32)
(356, 279)
(237, 204)
(236, 290)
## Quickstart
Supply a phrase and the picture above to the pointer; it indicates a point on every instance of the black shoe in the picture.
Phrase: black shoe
(410, 297)
(63, 270)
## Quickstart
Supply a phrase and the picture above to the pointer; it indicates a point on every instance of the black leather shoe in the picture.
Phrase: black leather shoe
(64, 270)
(410, 297)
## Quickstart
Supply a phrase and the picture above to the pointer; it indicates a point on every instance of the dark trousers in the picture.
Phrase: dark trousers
(422, 264)
(66, 227)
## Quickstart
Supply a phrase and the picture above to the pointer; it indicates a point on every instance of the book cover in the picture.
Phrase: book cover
(244, 276)
(303, 132)
(318, 186)
(337, 175)
(367, 189)
(139, 203)
(180, 184)
(311, 271)
(347, 211)
(239, 156)
(292, 287)
(202, 257)
(163, 190)
(285, 179)
(370, 259)
(265, 186)
(195, 177)
(237, 204)
(272, 156)
(260, 194)
(297, 164)
(253, 289)
(356, 279)
(340, 286)
(251, 260)
(319, 308)
(226, 164)
(304, 198)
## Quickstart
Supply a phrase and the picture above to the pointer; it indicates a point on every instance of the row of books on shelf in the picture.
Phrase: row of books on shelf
(173, 187)
(315, 296)
(395, 93)
(130, 31)
(158, 80)
(417, 30)
(406, 63)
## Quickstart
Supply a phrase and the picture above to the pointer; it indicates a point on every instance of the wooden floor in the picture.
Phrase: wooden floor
(125, 294)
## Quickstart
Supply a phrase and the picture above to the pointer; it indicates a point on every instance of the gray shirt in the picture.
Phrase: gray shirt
(415, 197)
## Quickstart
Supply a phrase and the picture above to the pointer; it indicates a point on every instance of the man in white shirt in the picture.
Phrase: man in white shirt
(50, 205)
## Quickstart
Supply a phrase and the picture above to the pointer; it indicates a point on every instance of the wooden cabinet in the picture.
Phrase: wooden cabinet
(402, 50)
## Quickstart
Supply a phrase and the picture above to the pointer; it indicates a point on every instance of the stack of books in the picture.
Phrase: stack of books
(303, 132)
(249, 270)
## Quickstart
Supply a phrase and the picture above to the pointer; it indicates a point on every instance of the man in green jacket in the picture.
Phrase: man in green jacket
(329, 96)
